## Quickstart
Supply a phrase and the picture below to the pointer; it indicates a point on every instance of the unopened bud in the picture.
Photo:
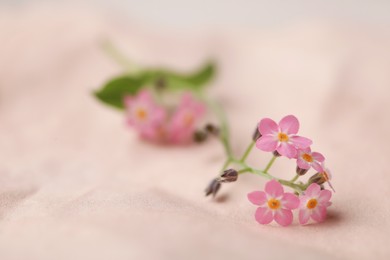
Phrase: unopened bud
(256, 135)
(317, 178)
(213, 187)
(212, 129)
(301, 171)
(229, 175)
(320, 178)
(200, 136)
(160, 83)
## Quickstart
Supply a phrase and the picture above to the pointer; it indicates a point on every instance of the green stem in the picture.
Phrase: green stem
(224, 135)
(226, 164)
(295, 178)
(247, 169)
(244, 170)
(247, 151)
(270, 164)
(119, 57)
(296, 187)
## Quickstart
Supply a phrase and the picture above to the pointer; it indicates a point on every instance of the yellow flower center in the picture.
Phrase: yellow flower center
(311, 204)
(141, 113)
(273, 204)
(282, 137)
(307, 157)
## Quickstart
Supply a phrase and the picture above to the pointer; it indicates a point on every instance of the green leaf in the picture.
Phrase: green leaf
(193, 81)
(201, 77)
(113, 92)
(116, 89)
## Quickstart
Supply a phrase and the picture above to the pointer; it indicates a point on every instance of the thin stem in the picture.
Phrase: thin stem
(119, 57)
(224, 136)
(295, 178)
(247, 169)
(253, 170)
(226, 164)
(247, 151)
(270, 164)
(244, 170)
(296, 187)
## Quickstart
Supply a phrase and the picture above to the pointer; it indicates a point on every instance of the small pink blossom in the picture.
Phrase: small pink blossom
(314, 203)
(145, 115)
(184, 119)
(274, 203)
(281, 137)
(307, 159)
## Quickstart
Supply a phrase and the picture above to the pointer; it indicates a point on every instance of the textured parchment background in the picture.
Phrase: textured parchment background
(76, 184)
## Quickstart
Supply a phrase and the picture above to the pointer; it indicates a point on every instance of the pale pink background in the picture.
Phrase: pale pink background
(76, 184)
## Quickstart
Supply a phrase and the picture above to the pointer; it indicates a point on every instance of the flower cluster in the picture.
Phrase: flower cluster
(157, 123)
(274, 203)
(282, 140)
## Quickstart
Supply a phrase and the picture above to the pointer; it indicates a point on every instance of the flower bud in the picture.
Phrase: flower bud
(301, 171)
(256, 135)
(160, 83)
(317, 178)
(229, 175)
(321, 177)
(213, 187)
(200, 136)
(212, 129)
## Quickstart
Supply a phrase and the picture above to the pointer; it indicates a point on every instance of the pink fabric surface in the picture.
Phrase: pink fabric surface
(76, 184)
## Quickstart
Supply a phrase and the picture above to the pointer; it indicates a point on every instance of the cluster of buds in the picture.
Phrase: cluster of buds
(282, 140)
(201, 135)
(229, 175)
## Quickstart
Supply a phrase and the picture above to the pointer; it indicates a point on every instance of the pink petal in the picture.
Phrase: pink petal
(263, 215)
(313, 190)
(283, 217)
(289, 125)
(324, 196)
(267, 143)
(159, 114)
(274, 189)
(304, 216)
(319, 214)
(257, 197)
(267, 126)
(318, 157)
(287, 150)
(290, 201)
(305, 150)
(316, 166)
(128, 101)
(186, 99)
(300, 142)
(303, 164)
(144, 96)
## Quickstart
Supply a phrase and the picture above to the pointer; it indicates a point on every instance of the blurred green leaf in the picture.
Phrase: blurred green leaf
(116, 89)
(113, 92)
(193, 81)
